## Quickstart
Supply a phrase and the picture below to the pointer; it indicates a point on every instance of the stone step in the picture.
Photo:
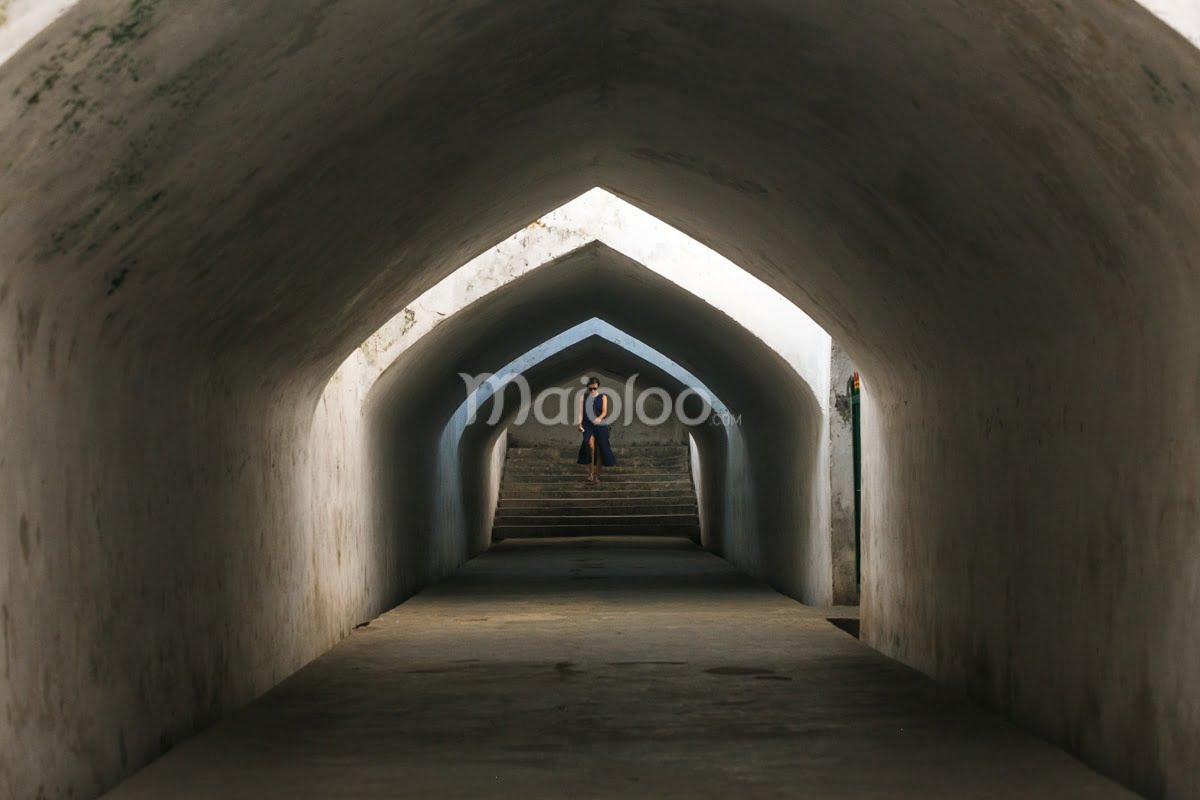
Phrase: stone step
(589, 493)
(603, 489)
(500, 532)
(598, 520)
(606, 477)
(631, 451)
(607, 511)
(683, 484)
(592, 505)
(648, 493)
(623, 466)
(566, 451)
(681, 480)
(545, 514)
(586, 495)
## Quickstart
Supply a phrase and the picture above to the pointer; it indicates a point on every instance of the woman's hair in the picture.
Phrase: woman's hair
(592, 380)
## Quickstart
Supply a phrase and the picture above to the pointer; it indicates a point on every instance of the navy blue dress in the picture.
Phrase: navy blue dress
(600, 431)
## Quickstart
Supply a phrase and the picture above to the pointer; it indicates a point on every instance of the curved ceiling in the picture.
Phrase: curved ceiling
(914, 176)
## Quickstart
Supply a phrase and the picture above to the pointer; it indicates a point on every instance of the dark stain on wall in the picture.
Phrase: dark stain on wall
(841, 403)
(117, 281)
(109, 63)
(24, 537)
(27, 330)
(52, 350)
(189, 87)
(1158, 89)
(4, 625)
(135, 25)
(309, 28)
(109, 59)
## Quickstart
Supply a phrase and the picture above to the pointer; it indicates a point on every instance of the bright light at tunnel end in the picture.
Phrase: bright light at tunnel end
(624, 407)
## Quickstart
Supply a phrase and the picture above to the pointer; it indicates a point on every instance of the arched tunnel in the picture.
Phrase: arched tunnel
(248, 534)
(417, 395)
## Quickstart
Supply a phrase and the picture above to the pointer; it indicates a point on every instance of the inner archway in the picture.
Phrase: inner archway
(716, 479)
(740, 369)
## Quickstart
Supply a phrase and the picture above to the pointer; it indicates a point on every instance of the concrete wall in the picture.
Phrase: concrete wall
(841, 479)
(158, 568)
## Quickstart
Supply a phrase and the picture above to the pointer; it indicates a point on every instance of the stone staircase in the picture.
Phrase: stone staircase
(544, 493)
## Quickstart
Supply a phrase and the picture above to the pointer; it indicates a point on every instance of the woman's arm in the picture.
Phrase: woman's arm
(603, 408)
(582, 402)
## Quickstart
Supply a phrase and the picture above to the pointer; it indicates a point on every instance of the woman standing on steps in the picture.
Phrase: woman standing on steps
(593, 424)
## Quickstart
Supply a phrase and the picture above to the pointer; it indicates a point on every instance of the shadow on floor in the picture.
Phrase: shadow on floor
(849, 625)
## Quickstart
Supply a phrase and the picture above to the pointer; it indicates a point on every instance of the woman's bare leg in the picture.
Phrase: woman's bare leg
(592, 458)
(597, 461)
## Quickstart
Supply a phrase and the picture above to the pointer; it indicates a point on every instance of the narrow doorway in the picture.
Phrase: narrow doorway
(854, 390)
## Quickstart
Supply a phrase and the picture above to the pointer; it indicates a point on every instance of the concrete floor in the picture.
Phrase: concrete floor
(619, 668)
